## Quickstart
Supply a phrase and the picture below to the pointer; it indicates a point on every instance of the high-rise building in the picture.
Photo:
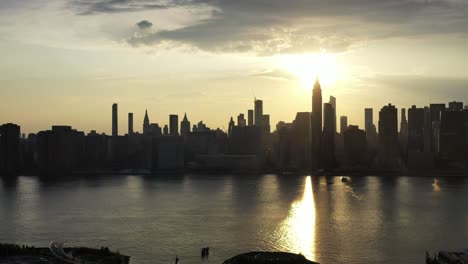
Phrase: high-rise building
(166, 130)
(343, 124)
(250, 117)
(231, 126)
(355, 147)
(415, 128)
(328, 148)
(403, 136)
(452, 135)
(258, 112)
(316, 125)
(368, 118)
(455, 106)
(435, 112)
(241, 120)
(266, 124)
(146, 124)
(388, 138)
(115, 120)
(184, 126)
(371, 131)
(333, 103)
(130, 123)
(9, 149)
(173, 125)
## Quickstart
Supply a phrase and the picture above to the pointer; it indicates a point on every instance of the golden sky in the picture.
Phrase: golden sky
(67, 61)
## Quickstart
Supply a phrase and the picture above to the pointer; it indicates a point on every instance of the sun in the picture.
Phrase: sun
(307, 67)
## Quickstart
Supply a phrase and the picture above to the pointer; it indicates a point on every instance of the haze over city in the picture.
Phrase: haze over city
(65, 62)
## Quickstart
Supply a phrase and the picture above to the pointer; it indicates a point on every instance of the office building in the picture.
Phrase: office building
(115, 120)
(130, 123)
(185, 126)
(173, 125)
(316, 125)
(343, 124)
(258, 112)
(250, 117)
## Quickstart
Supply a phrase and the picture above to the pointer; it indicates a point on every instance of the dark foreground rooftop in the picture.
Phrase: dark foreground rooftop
(269, 258)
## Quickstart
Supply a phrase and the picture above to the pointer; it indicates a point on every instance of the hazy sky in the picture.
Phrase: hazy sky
(67, 61)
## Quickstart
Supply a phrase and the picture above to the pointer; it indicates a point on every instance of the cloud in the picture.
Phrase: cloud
(293, 26)
(144, 24)
(276, 74)
(423, 87)
(90, 7)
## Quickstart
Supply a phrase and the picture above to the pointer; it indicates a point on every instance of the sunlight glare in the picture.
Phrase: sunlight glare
(307, 66)
(299, 227)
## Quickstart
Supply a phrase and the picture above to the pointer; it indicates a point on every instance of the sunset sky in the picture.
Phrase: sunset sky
(66, 61)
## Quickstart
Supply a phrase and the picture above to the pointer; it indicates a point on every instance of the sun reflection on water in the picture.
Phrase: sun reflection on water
(299, 228)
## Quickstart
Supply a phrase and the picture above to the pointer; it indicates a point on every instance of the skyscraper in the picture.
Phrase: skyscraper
(250, 117)
(388, 138)
(415, 128)
(165, 130)
(146, 124)
(328, 136)
(333, 103)
(258, 112)
(9, 149)
(455, 106)
(241, 120)
(316, 124)
(343, 124)
(115, 129)
(231, 126)
(403, 136)
(130, 123)
(371, 131)
(368, 118)
(173, 125)
(184, 126)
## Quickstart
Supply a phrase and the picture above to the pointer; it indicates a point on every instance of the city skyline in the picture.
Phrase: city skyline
(192, 57)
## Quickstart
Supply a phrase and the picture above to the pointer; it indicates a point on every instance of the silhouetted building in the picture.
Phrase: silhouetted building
(184, 126)
(355, 148)
(436, 112)
(455, 106)
(333, 103)
(328, 147)
(297, 153)
(371, 130)
(146, 124)
(343, 124)
(388, 138)
(173, 125)
(241, 120)
(403, 136)
(166, 130)
(250, 117)
(115, 121)
(130, 123)
(231, 125)
(258, 112)
(60, 150)
(266, 124)
(415, 128)
(316, 125)
(245, 141)
(154, 130)
(168, 153)
(9, 149)
(452, 138)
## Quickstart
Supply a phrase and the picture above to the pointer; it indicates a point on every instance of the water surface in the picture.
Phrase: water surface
(153, 219)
